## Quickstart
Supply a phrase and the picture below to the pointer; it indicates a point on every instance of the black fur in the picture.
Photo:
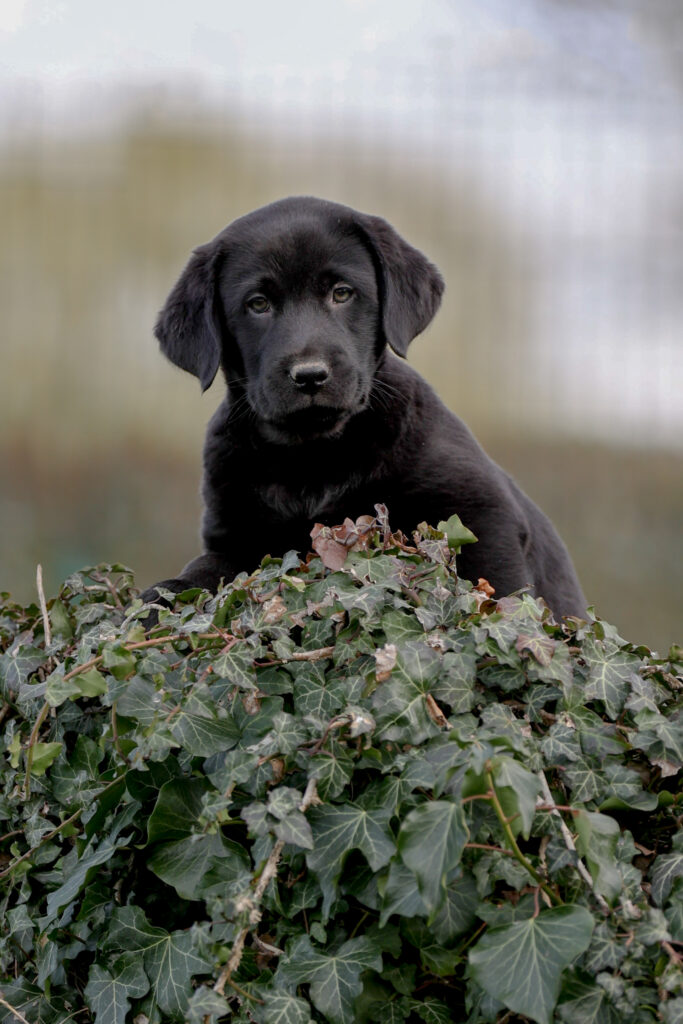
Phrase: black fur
(321, 419)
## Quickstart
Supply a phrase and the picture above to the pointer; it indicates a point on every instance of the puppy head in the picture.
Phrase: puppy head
(297, 301)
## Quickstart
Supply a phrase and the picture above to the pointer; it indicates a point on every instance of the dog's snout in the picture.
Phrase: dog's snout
(309, 376)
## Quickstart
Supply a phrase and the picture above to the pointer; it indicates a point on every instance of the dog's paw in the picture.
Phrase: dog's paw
(155, 595)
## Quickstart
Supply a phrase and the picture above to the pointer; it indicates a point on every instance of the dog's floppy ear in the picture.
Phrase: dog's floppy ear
(410, 286)
(187, 327)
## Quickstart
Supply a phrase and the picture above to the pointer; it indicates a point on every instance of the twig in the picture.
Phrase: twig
(267, 875)
(489, 846)
(137, 645)
(569, 842)
(12, 1009)
(316, 655)
(43, 606)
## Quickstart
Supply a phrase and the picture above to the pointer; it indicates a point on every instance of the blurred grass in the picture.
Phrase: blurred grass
(101, 438)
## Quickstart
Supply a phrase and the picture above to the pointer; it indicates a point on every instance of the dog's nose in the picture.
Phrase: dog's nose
(309, 376)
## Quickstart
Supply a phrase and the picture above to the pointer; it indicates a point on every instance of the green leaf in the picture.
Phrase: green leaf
(334, 978)
(184, 864)
(236, 666)
(430, 842)
(86, 684)
(665, 870)
(432, 1011)
(458, 912)
(399, 702)
(108, 995)
(296, 830)
(339, 829)
(281, 1008)
(400, 894)
(596, 843)
(43, 756)
(584, 1002)
(332, 769)
(455, 685)
(611, 672)
(206, 1007)
(85, 867)
(177, 810)
(202, 733)
(457, 534)
(170, 960)
(517, 789)
(521, 964)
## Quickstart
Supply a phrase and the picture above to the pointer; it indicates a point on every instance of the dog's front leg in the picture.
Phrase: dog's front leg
(206, 572)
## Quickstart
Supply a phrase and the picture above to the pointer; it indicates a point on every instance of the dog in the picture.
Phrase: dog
(308, 308)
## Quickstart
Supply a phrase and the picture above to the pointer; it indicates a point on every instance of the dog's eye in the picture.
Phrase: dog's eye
(342, 293)
(258, 304)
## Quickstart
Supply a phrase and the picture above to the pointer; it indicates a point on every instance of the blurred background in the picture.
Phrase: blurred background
(533, 149)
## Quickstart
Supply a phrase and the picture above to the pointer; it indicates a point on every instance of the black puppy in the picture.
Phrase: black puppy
(303, 304)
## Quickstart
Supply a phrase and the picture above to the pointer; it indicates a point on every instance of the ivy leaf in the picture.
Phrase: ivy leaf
(43, 756)
(400, 894)
(170, 960)
(457, 534)
(339, 829)
(584, 1002)
(296, 830)
(584, 780)
(281, 1008)
(611, 672)
(539, 645)
(202, 733)
(455, 685)
(92, 858)
(400, 701)
(334, 978)
(236, 667)
(206, 1007)
(108, 995)
(597, 842)
(521, 964)
(332, 770)
(665, 870)
(432, 1011)
(177, 810)
(517, 790)
(86, 684)
(458, 911)
(18, 664)
(185, 863)
(430, 842)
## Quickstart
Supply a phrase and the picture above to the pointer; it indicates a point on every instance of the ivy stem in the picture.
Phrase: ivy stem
(526, 864)
(267, 875)
(33, 738)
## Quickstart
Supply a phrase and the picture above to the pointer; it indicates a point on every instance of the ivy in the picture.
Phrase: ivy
(353, 788)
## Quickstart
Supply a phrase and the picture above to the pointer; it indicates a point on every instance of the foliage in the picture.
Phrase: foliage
(365, 793)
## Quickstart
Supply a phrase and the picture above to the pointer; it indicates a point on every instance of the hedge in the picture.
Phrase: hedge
(353, 788)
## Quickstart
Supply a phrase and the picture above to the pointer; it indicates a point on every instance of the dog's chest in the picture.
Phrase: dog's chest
(304, 503)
